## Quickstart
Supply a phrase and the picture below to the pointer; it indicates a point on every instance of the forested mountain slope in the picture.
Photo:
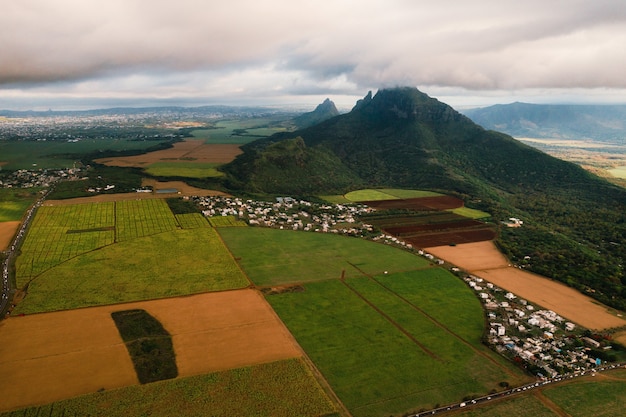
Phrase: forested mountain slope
(575, 222)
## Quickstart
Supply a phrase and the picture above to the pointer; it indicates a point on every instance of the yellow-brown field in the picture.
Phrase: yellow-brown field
(7, 231)
(482, 259)
(52, 356)
(190, 150)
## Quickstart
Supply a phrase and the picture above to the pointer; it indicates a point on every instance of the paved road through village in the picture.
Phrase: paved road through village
(9, 255)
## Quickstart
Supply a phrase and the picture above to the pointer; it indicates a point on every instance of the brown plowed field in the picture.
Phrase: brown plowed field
(7, 231)
(52, 356)
(450, 237)
(483, 259)
(190, 150)
(444, 202)
(436, 229)
(433, 227)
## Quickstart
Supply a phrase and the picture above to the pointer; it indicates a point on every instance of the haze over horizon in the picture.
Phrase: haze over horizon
(71, 54)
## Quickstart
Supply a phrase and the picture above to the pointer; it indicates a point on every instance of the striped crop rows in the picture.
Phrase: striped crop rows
(59, 233)
(139, 218)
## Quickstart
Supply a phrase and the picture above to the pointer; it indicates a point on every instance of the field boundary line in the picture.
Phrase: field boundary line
(392, 321)
(317, 374)
(444, 327)
(555, 408)
(250, 282)
(439, 324)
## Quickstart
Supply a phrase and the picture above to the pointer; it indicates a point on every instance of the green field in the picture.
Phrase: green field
(184, 169)
(278, 389)
(166, 264)
(139, 218)
(106, 253)
(240, 131)
(192, 221)
(471, 213)
(59, 233)
(61, 154)
(385, 354)
(274, 257)
(387, 194)
(598, 398)
(15, 201)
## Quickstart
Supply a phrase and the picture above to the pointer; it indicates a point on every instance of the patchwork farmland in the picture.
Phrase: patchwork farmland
(383, 329)
(376, 321)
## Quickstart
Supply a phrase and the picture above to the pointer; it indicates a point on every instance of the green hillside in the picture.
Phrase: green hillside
(574, 222)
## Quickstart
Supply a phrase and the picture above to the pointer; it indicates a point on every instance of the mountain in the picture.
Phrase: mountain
(322, 112)
(605, 123)
(575, 222)
(402, 137)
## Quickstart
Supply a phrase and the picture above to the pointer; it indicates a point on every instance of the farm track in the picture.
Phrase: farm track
(252, 285)
(549, 404)
(435, 322)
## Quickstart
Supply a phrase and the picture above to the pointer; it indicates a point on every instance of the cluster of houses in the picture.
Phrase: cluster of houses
(543, 340)
(295, 214)
(23, 178)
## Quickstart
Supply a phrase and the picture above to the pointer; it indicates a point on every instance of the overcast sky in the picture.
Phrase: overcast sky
(71, 53)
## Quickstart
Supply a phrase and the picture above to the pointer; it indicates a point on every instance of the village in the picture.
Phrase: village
(292, 214)
(540, 340)
(43, 178)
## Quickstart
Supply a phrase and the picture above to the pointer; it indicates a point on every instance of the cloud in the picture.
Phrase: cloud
(193, 48)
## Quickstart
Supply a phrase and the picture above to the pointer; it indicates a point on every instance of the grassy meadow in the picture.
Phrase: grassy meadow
(278, 389)
(274, 257)
(383, 354)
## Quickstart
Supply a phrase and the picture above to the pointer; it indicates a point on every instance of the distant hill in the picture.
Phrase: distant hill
(575, 222)
(598, 122)
(323, 111)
